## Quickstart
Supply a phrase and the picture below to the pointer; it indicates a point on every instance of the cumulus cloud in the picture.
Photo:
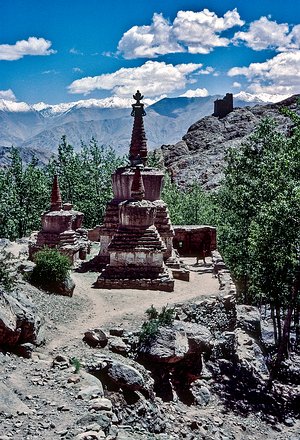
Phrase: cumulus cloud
(8, 95)
(237, 85)
(149, 41)
(32, 46)
(199, 31)
(193, 32)
(153, 79)
(279, 75)
(195, 93)
(265, 34)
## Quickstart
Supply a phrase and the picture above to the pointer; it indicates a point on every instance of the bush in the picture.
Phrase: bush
(51, 266)
(155, 320)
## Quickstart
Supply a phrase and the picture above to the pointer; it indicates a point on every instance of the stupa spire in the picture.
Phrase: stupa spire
(56, 202)
(137, 187)
(138, 146)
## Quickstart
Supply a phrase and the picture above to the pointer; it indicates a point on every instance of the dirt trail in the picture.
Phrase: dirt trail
(127, 307)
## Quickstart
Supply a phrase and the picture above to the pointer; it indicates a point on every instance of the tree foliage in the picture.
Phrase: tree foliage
(259, 230)
(84, 179)
(189, 206)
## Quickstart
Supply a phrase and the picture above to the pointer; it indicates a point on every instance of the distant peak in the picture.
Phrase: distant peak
(12, 106)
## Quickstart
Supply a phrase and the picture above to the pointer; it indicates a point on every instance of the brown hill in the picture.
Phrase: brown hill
(199, 156)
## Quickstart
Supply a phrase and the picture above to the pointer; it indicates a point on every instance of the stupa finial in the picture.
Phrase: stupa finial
(56, 202)
(138, 146)
(137, 186)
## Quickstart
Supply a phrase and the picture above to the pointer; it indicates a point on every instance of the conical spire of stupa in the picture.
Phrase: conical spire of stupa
(56, 202)
(137, 186)
(138, 146)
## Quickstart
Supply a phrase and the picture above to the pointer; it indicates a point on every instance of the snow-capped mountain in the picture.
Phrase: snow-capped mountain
(40, 126)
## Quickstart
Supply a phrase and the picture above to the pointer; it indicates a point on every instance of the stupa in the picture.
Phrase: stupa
(136, 250)
(122, 182)
(61, 229)
(136, 235)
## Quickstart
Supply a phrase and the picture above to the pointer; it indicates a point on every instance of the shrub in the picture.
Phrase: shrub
(51, 266)
(76, 364)
(155, 320)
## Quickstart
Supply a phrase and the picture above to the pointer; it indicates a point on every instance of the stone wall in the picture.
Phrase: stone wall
(189, 239)
(223, 106)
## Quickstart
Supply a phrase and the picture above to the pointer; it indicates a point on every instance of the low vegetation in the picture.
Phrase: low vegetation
(51, 266)
(156, 320)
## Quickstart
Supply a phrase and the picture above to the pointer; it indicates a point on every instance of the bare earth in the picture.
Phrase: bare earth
(127, 307)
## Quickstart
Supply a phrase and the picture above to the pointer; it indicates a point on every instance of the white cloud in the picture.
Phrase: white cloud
(265, 34)
(199, 31)
(237, 85)
(75, 51)
(77, 70)
(32, 46)
(194, 32)
(195, 93)
(8, 95)
(153, 79)
(50, 72)
(149, 41)
(279, 75)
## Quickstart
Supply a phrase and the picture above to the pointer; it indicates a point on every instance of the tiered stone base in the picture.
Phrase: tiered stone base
(162, 282)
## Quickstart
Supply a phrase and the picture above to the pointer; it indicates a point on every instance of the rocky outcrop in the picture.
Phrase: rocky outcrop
(199, 156)
(20, 325)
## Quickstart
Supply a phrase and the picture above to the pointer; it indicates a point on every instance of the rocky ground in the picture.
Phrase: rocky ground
(202, 377)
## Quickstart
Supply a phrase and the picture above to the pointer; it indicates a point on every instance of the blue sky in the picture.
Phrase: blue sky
(60, 50)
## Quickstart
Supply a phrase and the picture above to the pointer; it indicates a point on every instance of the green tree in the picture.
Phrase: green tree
(22, 197)
(190, 205)
(85, 177)
(259, 230)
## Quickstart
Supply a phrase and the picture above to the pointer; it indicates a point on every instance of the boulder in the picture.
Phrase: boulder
(19, 321)
(95, 337)
(170, 346)
(126, 376)
(65, 287)
(117, 345)
(248, 319)
(10, 403)
(250, 355)
(199, 337)
(200, 392)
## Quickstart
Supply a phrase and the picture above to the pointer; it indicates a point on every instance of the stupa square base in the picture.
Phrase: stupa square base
(164, 283)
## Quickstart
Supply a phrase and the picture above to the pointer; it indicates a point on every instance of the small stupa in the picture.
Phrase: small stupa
(136, 251)
(122, 184)
(60, 229)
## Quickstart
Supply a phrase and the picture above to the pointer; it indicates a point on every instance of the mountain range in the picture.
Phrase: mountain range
(38, 128)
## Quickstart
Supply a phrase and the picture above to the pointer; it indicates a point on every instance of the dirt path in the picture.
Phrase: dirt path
(127, 307)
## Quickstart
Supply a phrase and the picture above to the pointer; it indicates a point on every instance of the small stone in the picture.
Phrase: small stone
(116, 331)
(90, 435)
(101, 404)
(95, 337)
(91, 392)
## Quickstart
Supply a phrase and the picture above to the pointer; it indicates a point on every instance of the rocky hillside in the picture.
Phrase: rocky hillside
(199, 156)
(202, 376)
